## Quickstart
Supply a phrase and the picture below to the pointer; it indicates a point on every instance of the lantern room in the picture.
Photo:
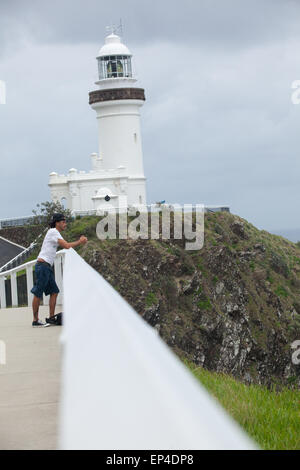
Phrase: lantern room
(114, 59)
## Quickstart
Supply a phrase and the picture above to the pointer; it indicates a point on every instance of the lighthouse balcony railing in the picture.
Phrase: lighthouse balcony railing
(12, 296)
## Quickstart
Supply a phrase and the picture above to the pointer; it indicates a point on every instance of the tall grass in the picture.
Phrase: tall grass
(271, 418)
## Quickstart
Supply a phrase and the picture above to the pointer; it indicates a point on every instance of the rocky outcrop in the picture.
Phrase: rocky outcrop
(231, 307)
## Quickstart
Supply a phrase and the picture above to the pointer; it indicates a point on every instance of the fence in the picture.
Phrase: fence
(150, 207)
(16, 221)
(11, 291)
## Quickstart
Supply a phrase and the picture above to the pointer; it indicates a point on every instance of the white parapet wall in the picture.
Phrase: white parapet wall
(122, 387)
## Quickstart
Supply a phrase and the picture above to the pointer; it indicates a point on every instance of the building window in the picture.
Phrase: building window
(64, 202)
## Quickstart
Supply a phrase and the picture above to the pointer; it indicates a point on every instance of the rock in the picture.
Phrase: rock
(151, 314)
(191, 285)
(199, 359)
(218, 229)
(246, 254)
(247, 378)
(296, 306)
(279, 264)
(239, 230)
(220, 287)
(294, 314)
(260, 246)
(259, 275)
(232, 309)
(188, 288)
(178, 320)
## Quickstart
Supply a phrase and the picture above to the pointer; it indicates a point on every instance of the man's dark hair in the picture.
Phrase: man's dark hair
(56, 218)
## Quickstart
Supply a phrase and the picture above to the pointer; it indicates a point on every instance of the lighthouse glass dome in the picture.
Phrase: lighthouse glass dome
(114, 66)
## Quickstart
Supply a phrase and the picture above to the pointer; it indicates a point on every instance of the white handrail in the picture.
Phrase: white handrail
(122, 387)
(28, 267)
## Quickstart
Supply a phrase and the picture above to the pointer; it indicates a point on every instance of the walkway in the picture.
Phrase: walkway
(30, 381)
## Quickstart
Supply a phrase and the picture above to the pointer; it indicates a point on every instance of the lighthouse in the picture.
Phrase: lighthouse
(117, 175)
(117, 103)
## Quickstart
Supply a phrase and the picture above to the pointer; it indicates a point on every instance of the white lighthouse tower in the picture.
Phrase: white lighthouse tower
(117, 175)
(117, 104)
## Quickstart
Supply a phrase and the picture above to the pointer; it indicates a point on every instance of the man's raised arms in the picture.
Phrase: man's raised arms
(63, 244)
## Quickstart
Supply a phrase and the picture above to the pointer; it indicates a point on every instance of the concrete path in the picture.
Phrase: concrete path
(29, 381)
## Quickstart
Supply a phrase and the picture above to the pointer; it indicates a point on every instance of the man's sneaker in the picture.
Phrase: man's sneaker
(56, 319)
(51, 320)
(39, 324)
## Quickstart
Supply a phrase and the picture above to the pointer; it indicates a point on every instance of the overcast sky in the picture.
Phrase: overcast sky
(218, 125)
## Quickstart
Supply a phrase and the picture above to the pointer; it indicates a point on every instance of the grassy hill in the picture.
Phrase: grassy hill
(232, 307)
(270, 418)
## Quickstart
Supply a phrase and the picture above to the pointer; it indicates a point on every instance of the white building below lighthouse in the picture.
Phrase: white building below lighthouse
(117, 175)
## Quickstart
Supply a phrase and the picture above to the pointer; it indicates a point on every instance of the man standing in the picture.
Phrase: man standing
(45, 282)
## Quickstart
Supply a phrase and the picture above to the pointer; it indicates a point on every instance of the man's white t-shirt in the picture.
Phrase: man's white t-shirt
(49, 246)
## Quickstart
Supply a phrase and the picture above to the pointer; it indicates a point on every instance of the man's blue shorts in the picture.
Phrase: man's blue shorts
(44, 280)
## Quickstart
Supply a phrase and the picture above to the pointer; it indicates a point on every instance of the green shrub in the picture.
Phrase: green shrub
(204, 304)
(281, 291)
(151, 299)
